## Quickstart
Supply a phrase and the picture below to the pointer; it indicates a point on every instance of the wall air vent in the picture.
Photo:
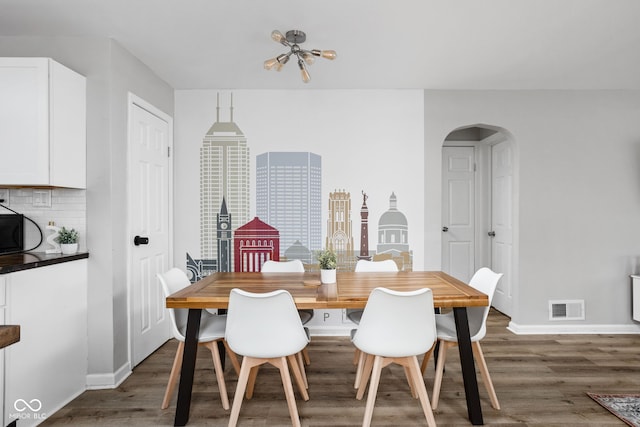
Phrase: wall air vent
(566, 310)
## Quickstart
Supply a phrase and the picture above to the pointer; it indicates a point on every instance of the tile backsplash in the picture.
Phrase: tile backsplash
(63, 206)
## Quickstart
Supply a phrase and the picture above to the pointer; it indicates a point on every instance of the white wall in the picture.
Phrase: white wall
(68, 209)
(111, 72)
(368, 140)
(579, 192)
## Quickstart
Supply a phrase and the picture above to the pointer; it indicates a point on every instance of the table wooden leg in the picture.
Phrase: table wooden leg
(468, 366)
(188, 367)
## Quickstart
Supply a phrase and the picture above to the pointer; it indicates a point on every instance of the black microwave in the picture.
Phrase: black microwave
(11, 233)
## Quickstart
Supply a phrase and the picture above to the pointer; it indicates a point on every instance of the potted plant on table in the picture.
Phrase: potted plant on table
(68, 240)
(328, 263)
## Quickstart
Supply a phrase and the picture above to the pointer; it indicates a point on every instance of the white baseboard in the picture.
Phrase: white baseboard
(330, 330)
(572, 329)
(107, 381)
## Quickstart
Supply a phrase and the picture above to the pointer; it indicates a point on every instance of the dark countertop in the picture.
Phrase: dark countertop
(27, 260)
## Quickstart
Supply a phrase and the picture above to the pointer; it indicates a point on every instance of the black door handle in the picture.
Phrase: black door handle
(445, 229)
(492, 234)
(140, 240)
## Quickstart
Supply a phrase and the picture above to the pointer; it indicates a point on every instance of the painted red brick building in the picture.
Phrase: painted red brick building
(254, 243)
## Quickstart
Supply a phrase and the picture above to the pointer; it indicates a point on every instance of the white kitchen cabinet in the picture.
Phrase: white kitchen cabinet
(2, 307)
(635, 295)
(47, 368)
(42, 124)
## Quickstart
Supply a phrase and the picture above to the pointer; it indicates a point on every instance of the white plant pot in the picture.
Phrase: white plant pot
(69, 248)
(328, 276)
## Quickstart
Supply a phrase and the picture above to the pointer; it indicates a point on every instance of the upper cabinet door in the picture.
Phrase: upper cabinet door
(42, 124)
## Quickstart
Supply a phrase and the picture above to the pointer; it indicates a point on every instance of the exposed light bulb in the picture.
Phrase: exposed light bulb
(279, 37)
(329, 54)
(308, 58)
(270, 63)
(303, 71)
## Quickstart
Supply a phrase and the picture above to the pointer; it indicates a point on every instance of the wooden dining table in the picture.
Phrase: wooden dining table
(351, 290)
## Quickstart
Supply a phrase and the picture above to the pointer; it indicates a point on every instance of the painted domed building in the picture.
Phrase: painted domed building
(393, 234)
(299, 251)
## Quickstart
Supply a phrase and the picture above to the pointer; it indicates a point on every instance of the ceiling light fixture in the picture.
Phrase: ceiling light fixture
(291, 40)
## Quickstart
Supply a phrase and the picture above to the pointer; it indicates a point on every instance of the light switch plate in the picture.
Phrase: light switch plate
(4, 194)
(41, 198)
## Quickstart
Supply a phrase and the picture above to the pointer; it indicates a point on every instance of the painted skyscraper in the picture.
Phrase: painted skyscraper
(224, 172)
(339, 233)
(288, 197)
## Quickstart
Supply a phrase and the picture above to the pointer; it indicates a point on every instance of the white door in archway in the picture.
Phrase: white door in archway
(502, 223)
(458, 212)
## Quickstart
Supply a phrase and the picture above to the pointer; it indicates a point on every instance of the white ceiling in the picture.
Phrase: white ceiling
(381, 44)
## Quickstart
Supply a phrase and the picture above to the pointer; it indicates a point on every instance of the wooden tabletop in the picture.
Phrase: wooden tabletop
(351, 290)
(9, 334)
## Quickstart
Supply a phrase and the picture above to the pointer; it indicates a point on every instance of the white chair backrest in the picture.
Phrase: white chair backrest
(484, 280)
(376, 266)
(264, 324)
(397, 324)
(293, 266)
(172, 281)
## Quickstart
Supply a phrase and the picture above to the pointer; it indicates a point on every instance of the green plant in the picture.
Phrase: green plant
(327, 259)
(67, 236)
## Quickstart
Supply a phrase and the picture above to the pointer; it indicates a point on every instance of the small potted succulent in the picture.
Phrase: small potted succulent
(328, 264)
(68, 240)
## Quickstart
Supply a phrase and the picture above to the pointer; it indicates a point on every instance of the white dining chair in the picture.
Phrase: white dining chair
(212, 328)
(293, 266)
(388, 333)
(484, 280)
(363, 265)
(354, 314)
(266, 328)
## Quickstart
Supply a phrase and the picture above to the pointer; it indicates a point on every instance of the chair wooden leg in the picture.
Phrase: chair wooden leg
(217, 364)
(281, 364)
(427, 357)
(173, 377)
(484, 371)
(305, 355)
(410, 381)
(251, 382)
(247, 365)
(437, 380)
(418, 383)
(296, 368)
(366, 373)
(300, 361)
(360, 368)
(233, 357)
(356, 356)
(373, 391)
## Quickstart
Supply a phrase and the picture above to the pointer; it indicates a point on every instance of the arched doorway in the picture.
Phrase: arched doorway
(479, 206)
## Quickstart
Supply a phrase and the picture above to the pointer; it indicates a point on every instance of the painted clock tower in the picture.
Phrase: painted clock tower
(224, 238)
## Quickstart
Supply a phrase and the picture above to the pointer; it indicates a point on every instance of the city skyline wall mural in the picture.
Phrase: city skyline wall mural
(242, 156)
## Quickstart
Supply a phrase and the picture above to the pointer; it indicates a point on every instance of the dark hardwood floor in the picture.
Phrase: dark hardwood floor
(540, 380)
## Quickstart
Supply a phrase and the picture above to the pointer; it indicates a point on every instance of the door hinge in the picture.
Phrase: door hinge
(168, 151)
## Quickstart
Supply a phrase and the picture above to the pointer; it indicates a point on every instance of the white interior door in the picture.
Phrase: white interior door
(149, 203)
(502, 223)
(458, 212)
